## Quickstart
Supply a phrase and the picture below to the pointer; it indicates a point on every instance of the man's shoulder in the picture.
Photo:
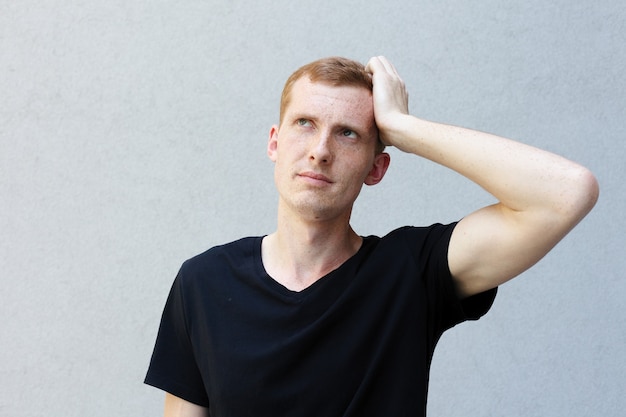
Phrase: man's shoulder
(416, 241)
(418, 232)
(231, 252)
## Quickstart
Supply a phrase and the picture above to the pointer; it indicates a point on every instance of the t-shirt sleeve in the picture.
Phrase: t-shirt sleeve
(173, 367)
(446, 307)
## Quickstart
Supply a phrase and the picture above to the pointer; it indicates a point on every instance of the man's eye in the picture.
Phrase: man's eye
(303, 122)
(349, 133)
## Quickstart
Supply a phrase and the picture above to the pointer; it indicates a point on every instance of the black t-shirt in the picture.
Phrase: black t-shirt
(358, 342)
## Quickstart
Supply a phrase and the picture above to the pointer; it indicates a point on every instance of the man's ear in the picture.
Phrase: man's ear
(376, 174)
(272, 143)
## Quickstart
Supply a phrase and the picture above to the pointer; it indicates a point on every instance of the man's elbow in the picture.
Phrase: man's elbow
(583, 194)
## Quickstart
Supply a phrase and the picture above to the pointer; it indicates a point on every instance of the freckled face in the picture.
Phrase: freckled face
(324, 149)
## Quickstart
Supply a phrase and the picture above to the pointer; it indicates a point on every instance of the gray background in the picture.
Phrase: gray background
(133, 133)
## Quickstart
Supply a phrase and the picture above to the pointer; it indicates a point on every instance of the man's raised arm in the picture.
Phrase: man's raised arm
(541, 196)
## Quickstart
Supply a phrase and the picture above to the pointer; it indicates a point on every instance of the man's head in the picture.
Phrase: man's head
(334, 71)
(325, 147)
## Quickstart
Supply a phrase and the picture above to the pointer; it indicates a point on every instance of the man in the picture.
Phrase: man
(315, 320)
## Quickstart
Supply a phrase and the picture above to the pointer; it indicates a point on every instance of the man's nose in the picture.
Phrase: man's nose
(321, 151)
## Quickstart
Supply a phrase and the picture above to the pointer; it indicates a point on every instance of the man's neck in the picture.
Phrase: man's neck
(301, 252)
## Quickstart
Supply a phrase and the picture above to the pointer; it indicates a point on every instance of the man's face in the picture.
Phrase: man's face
(324, 149)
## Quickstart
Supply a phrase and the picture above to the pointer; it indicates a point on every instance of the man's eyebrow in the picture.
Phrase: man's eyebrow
(361, 131)
(300, 115)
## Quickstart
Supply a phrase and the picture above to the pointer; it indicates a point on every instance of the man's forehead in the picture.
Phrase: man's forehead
(306, 92)
(306, 84)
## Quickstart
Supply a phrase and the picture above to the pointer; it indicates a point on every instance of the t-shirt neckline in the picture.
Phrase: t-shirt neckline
(293, 295)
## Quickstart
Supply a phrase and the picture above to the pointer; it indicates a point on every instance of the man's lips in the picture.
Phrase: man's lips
(315, 176)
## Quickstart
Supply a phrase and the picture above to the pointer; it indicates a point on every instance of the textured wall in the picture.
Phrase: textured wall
(132, 136)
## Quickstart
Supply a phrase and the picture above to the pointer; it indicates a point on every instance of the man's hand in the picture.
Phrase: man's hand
(391, 100)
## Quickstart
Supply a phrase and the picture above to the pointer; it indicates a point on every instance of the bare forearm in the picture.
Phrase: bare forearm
(521, 177)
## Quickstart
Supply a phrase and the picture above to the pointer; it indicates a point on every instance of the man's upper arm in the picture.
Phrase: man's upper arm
(495, 244)
(177, 407)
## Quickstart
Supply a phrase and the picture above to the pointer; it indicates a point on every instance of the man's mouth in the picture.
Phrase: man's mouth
(315, 176)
